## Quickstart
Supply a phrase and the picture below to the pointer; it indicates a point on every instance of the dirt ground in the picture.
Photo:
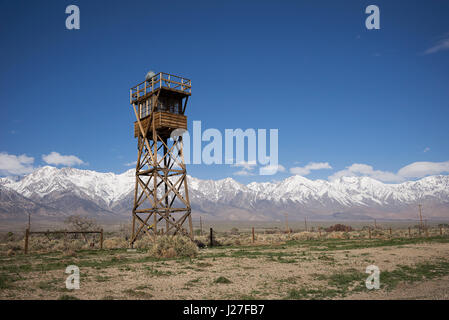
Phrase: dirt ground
(327, 269)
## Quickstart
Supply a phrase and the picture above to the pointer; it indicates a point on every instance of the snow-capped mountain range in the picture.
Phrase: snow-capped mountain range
(50, 192)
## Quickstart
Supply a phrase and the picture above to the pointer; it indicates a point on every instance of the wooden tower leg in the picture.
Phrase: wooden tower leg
(166, 165)
(154, 176)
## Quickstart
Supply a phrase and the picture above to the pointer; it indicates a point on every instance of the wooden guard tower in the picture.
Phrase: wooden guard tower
(161, 197)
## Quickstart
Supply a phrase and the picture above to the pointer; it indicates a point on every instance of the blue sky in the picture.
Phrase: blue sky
(338, 93)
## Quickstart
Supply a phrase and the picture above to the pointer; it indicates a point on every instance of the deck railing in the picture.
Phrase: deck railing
(160, 80)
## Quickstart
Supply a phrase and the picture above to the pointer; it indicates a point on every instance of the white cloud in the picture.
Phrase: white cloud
(131, 164)
(280, 168)
(15, 165)
(247, 168)
(441, 45)
(422, 169)
(57, 159)
(303, 171)
(426, 149)
(243, 172)
(246, 165)
(413, 170)
(271, 169)
(359, 169)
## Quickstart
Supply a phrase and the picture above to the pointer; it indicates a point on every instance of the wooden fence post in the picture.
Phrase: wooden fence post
(211, 237)
(390, 231)
(27, 235)
(441, 231)
(101, 239)
(369, 232)
(320, 231)
(409, 233)
(253, 234)
(427, 232)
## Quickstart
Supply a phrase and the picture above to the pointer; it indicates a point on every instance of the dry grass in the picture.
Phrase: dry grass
(13, 244)
(173, 246)
(276, 266)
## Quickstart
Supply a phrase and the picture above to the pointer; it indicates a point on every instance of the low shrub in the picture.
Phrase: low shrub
(222, 280)
(339, 227)
(173, 246)
(115, 243)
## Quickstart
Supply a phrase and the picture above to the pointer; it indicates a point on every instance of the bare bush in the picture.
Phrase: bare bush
(339, 227)
(81, 223)
(115, 243)
(173, 246)
(234, 231)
